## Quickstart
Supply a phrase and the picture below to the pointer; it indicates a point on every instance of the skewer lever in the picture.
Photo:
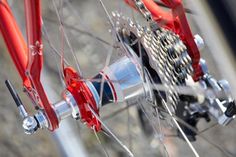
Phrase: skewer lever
(30, 124)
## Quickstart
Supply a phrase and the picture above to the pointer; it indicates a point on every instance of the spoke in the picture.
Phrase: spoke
(149, 118)
(81, 31)
(107, 14)
(46, 35)
(62, 39)
(159, 135)
(141, 59)
(108, 59)
(99, 141)
(111, 133)
(190, 90)
(176, 123)
(178, 126)
(66, 38)
(129, 129)
(85, 27)
(220, 148)
(181, 131)
(118, 112)
(113, 27)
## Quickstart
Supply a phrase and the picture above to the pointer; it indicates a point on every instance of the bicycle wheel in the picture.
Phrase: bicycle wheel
(144, 106)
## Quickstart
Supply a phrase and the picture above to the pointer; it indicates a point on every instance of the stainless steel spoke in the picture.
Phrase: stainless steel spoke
(108, 59)
(62, 38)
(86, 28)
(111, 133)
(178, 126)
(46, 35)
(99, 141)
(129, 131)
(81, 31)
(118, 111)
(181, 130)
(66, 38)
(190, 90)
(141, 60)
(220, 148)
(159, 135)
(114, 29)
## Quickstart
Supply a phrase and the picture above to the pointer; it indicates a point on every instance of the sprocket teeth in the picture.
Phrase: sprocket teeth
(166, 52)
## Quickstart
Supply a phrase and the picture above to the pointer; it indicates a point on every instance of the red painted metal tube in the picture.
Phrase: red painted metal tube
(35, 51)
(28, 62)
(13, 39)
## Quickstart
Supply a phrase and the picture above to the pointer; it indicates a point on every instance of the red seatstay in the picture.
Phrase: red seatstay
(28, 58)
(176, 21)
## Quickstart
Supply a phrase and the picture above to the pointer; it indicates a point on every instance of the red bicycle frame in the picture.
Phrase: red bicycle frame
(28, 58)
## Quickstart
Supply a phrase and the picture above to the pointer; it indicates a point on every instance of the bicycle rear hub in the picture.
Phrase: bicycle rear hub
(122, 82)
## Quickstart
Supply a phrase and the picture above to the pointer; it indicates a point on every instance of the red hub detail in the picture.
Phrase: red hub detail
(83, 98)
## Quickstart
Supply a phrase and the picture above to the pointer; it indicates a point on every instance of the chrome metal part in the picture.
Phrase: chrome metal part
(126, 79)
(30, 125)
(22, 111)
(69, 99)
(143, 10)
(224, 120)
(199, 41)
(225, 86)
(62, 109)
(41, 119)
(204, 66)
(216, 105)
